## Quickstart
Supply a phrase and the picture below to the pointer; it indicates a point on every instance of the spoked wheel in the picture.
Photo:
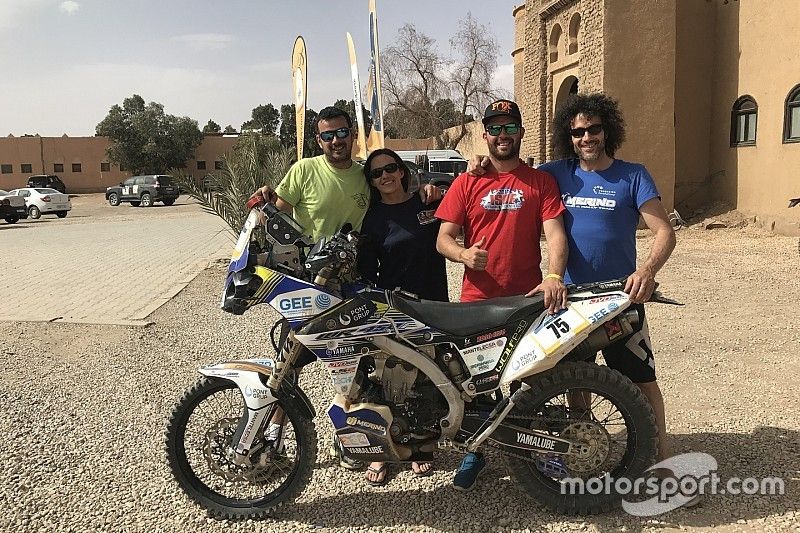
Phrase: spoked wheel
(199, 436)
(599, 408)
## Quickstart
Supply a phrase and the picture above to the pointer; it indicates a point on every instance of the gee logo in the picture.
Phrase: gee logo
(323, 301)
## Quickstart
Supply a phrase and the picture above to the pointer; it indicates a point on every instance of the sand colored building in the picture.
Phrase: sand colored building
(710, 90)
(82, 163)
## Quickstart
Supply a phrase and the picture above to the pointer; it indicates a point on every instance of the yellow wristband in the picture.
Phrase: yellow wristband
(554, 276)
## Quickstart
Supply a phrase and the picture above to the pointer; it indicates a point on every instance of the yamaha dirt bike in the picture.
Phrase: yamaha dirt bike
(408, 377)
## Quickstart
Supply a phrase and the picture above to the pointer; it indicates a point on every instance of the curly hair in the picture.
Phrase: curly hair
(591, 105)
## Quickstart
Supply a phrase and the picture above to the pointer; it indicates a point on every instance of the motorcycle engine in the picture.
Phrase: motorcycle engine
(415, 402)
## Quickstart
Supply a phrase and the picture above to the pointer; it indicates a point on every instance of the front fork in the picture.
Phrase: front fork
(249, 375)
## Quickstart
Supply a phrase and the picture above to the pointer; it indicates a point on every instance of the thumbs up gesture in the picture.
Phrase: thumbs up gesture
(475, 257)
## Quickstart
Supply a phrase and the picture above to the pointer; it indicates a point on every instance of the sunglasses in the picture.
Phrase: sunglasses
(594, 129)
(341, 133)
(376, 173)
(510, 129)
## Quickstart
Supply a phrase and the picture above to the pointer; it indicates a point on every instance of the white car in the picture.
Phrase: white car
(44, 201)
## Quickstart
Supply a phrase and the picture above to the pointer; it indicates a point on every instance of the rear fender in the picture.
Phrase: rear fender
(551, 337)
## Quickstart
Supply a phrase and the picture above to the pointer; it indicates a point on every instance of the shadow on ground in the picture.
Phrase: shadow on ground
(766, 452)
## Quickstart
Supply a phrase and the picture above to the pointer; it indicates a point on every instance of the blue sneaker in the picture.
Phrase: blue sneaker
(467, 474)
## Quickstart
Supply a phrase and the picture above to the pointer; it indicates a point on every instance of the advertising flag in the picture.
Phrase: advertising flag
(299, 80)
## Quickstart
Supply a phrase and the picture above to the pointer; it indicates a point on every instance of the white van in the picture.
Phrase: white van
(445, 161)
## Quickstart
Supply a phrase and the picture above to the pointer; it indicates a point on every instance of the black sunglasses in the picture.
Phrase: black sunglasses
(376, 173)
(594, 129)
(341, 133)
(495, 129)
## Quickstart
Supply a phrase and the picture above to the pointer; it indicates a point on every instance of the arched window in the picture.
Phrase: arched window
(744, 121)
(574, 28)
(791, 121)
(555, 37)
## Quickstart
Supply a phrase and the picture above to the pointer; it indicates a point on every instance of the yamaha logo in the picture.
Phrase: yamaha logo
(323, 301)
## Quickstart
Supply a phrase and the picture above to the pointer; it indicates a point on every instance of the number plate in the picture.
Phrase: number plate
(557, 329)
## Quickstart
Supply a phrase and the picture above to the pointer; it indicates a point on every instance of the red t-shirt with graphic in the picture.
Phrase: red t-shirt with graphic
(508, 209)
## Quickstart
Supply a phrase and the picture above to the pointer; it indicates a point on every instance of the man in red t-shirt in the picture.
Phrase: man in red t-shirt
(502, 215)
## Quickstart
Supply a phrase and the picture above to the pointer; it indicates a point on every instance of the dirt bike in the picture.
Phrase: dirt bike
(409, 377)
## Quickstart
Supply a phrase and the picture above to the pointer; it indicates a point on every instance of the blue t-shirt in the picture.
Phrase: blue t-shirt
(601, 217)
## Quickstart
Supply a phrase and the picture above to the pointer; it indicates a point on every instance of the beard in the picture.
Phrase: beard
(340, 156)
(512, 153)
(598, 150)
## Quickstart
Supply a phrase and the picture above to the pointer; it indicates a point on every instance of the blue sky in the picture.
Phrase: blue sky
(66, 62)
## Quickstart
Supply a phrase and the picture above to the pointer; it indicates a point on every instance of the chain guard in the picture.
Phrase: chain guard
(576, 464)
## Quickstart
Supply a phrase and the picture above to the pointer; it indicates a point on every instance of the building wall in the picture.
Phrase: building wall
(676, 68)
(639, 71)
(756, 54)
(694, 66)
(44, 153)
(543, 77)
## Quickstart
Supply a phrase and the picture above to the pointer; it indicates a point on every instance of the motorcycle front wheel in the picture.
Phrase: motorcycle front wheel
(199, 436)
(607, 414)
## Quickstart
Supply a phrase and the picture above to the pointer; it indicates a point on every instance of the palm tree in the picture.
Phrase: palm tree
(254, 161)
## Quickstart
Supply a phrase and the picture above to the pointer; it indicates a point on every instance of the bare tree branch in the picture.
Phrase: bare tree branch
(427, 93)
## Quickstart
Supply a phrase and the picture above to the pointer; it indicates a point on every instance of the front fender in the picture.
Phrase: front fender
(251, 375)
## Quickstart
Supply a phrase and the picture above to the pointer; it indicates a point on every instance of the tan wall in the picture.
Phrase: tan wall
(42, 153)
(756, 54)
(639, 70)
(694, 66)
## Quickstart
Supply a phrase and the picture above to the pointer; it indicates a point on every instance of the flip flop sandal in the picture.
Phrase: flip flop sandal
(385, 469)
(426, 473)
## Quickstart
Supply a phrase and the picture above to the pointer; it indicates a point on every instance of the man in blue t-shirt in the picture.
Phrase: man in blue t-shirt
(604, 198)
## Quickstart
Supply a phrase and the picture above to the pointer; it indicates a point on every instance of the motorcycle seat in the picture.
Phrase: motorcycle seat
(463, 319)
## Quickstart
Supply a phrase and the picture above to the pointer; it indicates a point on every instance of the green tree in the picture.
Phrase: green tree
(288, 131)
(147, 141)
(229, 129)
(255, 160)
(212, 127)
(264, 120)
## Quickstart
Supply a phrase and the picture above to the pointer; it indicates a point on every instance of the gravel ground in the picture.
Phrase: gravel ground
(84, 410)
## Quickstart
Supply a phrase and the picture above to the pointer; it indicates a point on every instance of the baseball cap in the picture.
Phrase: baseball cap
(502, 108)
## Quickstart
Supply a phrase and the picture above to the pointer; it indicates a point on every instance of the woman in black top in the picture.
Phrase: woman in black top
(398, 249)
(399, 233)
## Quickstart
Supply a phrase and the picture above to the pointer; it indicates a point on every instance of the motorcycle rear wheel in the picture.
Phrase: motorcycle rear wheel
(210, 410)
(612, 388)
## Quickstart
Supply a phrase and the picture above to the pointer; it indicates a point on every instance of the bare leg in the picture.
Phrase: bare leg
(653, 394)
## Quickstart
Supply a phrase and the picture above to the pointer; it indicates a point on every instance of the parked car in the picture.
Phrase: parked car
(440, 179)
(143, 191)
(42, 181)
(44, 202)
(12, 207)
